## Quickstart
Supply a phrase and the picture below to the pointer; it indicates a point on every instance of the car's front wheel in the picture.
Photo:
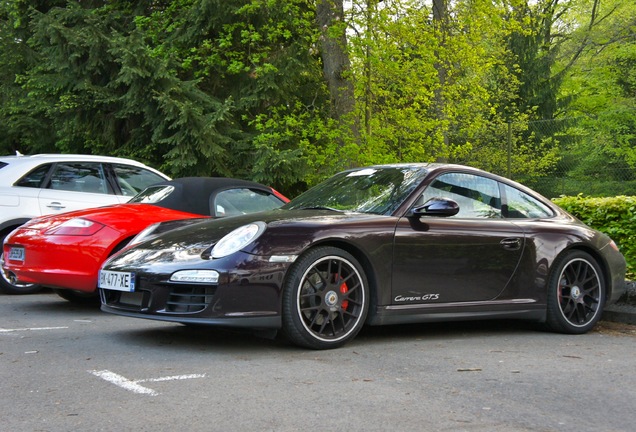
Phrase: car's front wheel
(576, 294)
(325, 299)
(8, 281)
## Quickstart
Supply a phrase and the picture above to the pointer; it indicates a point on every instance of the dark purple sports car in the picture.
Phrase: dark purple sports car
(388, 244)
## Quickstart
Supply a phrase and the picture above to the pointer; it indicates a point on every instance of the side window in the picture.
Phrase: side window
(520, 205)
(233, 202)
(79, 177)
(35, 178)
(132, 179)
(478, 197)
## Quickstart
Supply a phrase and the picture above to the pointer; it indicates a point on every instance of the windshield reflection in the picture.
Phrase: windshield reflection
(376, 190)
(152, 194)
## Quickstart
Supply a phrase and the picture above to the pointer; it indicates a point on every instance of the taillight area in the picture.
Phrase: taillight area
(613, 245)
(76, 227)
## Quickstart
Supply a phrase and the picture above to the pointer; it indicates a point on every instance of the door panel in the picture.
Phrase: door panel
(445, 260)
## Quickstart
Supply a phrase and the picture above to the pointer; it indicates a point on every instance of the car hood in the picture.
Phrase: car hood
(287, 232)
(120, 217)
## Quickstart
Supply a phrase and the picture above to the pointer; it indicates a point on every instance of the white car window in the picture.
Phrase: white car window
(80, 177)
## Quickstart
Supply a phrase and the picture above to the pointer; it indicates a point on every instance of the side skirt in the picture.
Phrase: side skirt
(527, 309)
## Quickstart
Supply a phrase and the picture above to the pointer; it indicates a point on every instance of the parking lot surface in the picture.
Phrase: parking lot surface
(69, 368)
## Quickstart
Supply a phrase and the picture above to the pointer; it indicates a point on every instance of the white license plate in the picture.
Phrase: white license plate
(16, 253)
(118, 281)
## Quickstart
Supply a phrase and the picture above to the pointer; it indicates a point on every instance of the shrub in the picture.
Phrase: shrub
(614, 216)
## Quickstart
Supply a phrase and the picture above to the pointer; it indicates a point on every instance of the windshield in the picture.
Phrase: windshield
(377, 190)
(152, 195)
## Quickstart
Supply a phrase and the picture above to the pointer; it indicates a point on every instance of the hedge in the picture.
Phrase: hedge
(614, 216)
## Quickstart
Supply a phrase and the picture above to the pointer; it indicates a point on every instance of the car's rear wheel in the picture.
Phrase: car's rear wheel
(79, 297)
(8, 281)
(576, 294)
(325, 299)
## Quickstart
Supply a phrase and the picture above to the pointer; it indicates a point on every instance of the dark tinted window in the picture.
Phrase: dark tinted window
(478, 197)
(133, 180)
(233, 202)
(79, 177)
(35, 178)
(3, 164)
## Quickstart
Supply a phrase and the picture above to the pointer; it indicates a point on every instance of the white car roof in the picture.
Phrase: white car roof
(19, 165)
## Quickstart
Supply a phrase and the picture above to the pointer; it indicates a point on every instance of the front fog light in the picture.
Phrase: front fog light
(195, 276)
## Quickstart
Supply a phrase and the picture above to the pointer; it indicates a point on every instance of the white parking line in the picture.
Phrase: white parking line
(133, 385)
(3, 330)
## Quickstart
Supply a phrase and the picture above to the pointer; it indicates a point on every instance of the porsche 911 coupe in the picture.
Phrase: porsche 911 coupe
(65, 251)
(390, 244)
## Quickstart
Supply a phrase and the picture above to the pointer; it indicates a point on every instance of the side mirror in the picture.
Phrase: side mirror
(442, 207)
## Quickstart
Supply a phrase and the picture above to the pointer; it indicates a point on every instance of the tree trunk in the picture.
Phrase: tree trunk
(335, 59)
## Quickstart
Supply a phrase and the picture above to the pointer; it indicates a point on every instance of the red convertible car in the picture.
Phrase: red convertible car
(65, 251)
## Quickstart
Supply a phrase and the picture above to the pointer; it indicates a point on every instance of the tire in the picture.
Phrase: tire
(325, 299)
(79, 297)
(576, 294)
(8, 283)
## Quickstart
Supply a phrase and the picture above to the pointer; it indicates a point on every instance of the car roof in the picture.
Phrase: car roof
(39, 158)
(189, 190)
(14, 167)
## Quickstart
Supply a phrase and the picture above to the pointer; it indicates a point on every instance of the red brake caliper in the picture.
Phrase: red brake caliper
(343, 290)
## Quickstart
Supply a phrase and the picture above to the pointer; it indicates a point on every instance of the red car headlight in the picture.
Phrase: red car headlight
(76, 227)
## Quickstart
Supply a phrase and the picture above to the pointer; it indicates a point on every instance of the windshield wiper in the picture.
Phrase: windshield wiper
(321, 208)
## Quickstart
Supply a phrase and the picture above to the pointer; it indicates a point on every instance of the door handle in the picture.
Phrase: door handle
(55, 205)
(511, 243)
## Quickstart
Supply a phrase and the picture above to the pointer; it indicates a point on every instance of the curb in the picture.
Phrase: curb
(624, 310)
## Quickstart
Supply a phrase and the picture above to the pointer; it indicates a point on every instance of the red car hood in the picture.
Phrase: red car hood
(121, 217)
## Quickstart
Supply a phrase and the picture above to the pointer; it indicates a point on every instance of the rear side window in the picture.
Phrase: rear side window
(79, 177)
(35, 178)
(3, 164)
(520, 205)
(132, 179)
(233, 202)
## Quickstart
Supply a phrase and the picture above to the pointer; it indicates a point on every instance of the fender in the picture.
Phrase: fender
(8, 226)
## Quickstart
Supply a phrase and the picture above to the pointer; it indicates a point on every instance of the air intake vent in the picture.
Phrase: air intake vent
(189, 298)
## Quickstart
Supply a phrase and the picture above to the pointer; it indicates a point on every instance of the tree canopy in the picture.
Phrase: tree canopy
(287, 92)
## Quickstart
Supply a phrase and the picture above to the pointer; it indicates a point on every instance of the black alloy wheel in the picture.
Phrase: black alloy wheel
(325, 300)
(576, 294)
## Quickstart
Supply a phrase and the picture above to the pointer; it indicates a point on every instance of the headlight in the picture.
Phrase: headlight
(238, 239)
(76, 227)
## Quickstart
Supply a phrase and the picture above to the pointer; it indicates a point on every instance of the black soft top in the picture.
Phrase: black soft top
(196, 194)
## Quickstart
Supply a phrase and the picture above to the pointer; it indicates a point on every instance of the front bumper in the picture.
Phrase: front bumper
(248, 294)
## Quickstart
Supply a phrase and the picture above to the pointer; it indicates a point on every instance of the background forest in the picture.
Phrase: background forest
(287, 92)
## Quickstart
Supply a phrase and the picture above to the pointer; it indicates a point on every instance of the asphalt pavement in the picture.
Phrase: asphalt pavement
(623, 311)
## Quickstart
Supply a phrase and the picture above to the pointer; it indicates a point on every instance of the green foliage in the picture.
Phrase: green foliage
(236, 87)
(614, 216)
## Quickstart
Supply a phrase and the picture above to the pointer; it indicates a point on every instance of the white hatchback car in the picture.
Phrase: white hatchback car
(44, 184)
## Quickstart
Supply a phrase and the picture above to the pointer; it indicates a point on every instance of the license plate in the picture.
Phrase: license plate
(118, 281)
(16, 253)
